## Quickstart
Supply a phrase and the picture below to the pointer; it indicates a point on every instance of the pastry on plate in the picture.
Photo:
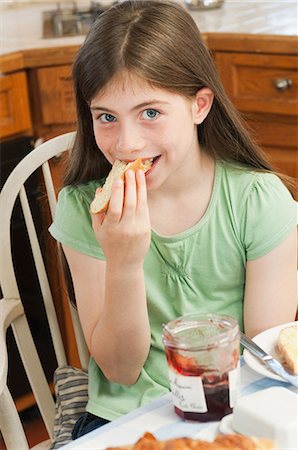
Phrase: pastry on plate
(230, 441)
(287, 345)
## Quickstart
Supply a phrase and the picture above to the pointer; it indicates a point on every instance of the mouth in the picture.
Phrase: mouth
(153, 161)
(148, 163)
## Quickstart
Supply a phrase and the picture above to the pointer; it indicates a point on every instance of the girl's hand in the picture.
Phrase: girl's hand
(124, 231)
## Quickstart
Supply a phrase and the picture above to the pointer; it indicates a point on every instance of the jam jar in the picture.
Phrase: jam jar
(202, 352)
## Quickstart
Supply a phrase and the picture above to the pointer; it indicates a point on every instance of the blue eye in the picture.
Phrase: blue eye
(150, 114)
(107, 118)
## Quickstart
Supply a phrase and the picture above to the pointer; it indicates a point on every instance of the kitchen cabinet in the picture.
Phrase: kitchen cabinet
(15, 117)
(264, 87)
(56, 95)
(52, 100)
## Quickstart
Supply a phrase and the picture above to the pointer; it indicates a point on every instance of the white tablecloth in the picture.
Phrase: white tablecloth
(160, 419)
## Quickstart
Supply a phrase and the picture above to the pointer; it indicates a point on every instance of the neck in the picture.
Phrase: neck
(184, 205)
(193, 176)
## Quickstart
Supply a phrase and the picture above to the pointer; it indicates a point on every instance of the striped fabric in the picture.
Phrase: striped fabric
(71, 390)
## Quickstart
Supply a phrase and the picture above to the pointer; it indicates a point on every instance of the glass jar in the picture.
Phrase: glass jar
(202, 352)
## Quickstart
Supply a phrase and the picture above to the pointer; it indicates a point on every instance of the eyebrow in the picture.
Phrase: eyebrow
(140, 105)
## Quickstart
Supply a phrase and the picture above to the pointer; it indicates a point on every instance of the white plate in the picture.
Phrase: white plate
(267, 340)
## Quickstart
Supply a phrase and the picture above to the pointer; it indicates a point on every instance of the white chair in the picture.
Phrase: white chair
(11, 307)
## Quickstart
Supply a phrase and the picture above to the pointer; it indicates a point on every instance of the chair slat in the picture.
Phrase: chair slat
(49, 187)
(34, 371)
(80, 340)
(43, 281)
(10, 424)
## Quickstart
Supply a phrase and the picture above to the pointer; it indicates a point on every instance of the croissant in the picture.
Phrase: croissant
(230, 441)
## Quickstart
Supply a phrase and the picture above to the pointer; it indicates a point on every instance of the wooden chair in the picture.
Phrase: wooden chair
(12, 312)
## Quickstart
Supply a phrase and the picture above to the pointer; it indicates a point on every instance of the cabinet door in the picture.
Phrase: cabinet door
(14, 105)
(56, 95)
(264, 88)
(278, 137)
(260, 83)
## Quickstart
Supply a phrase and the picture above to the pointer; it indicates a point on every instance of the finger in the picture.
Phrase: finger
(115, 208)
(97, 219)
(141, 189)
(130, 193)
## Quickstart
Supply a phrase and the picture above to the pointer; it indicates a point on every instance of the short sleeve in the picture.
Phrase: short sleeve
(72, 225)
(269, 215)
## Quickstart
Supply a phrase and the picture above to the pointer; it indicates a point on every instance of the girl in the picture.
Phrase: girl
(209, 228)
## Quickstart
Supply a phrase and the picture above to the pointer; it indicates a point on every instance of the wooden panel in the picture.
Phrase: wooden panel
(283, 159)
(14, 105)
(251, 80)
(12, 62)
(278, 137)
(50, 56)
(56, 95)
(252, 43)
(273, 130)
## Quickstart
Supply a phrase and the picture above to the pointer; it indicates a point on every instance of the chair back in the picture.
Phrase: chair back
(12, 312)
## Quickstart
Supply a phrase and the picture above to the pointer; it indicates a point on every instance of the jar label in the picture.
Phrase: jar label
(234, 383)
(187, 392)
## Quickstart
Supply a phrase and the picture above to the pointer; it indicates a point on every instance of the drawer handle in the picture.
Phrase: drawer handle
(283, 84)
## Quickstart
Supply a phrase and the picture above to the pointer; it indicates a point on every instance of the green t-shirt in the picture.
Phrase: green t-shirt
(201, 269)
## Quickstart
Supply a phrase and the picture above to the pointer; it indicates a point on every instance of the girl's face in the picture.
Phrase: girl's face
(132, 119)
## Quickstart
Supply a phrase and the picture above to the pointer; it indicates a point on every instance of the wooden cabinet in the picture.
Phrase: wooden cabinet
(56, 95)
(52, 98)
(264, 88)
(14, 105)
(261, 83)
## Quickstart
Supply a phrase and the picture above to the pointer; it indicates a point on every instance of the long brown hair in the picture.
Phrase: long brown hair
(159, 41)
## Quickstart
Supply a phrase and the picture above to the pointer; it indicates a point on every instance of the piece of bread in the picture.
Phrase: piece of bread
(287, 345)
(102, 197)
(230, 441)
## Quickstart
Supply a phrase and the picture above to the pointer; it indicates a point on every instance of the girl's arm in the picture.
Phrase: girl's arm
(271, 288)
(111, 295)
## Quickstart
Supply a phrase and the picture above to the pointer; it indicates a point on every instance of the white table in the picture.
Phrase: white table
(160, 419)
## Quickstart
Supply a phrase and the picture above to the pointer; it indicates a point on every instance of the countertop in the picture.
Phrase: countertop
(21, 27)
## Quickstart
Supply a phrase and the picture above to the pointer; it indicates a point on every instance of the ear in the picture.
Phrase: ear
(202, 104)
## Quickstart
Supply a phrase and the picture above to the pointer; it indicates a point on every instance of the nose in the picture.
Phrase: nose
(129, 140)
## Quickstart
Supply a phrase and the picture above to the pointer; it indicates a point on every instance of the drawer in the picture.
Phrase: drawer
(274, 130)
(260, 83)
(56, 95)
(278, 137)
(285, 161)
(14, 105)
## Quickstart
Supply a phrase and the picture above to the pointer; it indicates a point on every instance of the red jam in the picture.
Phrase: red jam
(217, 400)
(216, 388)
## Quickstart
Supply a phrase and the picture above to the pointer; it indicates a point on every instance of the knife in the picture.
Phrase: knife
(271, 363)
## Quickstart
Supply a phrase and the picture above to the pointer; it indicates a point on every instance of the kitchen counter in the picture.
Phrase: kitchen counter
(21, 27)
